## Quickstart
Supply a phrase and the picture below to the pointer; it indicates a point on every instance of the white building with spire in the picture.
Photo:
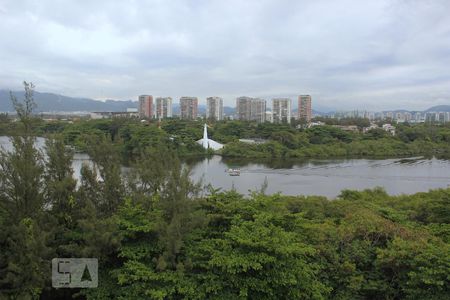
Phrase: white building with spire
(208, 143)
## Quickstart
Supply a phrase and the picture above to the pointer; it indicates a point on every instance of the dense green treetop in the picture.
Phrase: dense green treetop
(131, 136)
(158, 236)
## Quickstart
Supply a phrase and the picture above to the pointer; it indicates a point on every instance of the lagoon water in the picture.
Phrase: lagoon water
(327, 177)
(312, 177)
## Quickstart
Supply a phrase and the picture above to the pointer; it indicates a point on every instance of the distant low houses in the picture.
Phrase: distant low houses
(389, 128)
(386, 127)
(372, 126)
(114, 114)
(253, 141)
(312, 124)
(352, 128)
(397, 117)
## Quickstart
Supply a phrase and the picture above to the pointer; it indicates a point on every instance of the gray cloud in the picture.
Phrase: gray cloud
(347, 53)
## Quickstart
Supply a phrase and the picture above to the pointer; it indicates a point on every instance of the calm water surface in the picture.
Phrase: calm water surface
(312, 177)
(328, 177)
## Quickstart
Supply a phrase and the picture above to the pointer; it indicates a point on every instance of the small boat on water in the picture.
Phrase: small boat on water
(234, 172)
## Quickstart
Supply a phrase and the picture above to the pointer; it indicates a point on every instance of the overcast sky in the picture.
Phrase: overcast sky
(348, 54)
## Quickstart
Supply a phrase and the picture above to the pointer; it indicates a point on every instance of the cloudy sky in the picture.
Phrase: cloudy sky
(348, 54)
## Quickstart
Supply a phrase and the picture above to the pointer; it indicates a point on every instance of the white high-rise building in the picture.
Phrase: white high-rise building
(281, 110)
(163, 107)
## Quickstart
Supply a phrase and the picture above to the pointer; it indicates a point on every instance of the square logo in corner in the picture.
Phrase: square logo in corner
(75, 272)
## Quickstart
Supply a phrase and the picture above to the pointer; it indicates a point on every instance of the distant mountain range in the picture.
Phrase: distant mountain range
(48, 102)
(437, 108)
(444, 108)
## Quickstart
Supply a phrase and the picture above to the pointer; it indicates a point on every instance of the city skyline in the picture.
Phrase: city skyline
(256, 109)
(61, 103)
(381, 55)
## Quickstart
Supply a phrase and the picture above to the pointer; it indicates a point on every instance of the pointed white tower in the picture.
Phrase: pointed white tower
(207, 143)
(205, 137)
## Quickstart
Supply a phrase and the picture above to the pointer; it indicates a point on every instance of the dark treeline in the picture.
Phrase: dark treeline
(131, 137)
(158, 236)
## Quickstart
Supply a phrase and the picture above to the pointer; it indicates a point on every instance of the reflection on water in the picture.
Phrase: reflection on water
(5, 143)
(326, 177)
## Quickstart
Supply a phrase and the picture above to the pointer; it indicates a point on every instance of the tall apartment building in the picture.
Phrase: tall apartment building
(188, 108)
(258, 113)
(281, 110)
(214, 108)
(251, 109)
(146, 106)
(243, 108)
(163, 107)
(304, 107)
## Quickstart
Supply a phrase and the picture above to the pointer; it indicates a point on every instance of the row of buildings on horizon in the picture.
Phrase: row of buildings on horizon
(396, 116)
(247, 108)
(256, 109)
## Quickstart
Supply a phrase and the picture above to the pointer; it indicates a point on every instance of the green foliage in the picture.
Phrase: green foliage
(21, 179)
(60, 184)
(156, 237)
(260, 259)
(23, 254)
(111, 186)
(327, 135)
(23, 259)
(376, 134)
(360, 122)
(6, 126)
(131, 137)
(416, 269)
